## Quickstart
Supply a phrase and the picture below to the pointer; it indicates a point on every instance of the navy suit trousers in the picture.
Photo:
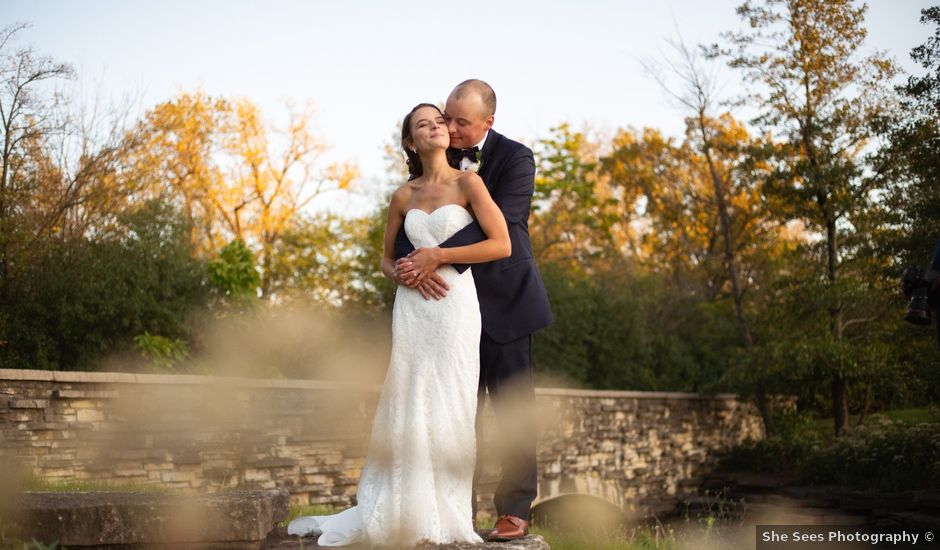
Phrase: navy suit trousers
(506, 377)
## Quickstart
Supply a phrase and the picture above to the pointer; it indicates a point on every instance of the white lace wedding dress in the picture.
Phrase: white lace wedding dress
(416, 482)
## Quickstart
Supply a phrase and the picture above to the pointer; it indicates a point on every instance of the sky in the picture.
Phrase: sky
(364, 63)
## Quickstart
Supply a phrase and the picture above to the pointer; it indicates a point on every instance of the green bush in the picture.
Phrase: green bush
(233, 276)
(884, 454)
(795, 438)
(80, 300)
(163, 353)
(625, 329)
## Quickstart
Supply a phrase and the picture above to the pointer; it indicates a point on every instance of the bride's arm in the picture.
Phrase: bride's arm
(425, 261)
(396, 218)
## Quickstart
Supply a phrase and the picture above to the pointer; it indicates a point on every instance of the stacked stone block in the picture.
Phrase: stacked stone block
(640, 451)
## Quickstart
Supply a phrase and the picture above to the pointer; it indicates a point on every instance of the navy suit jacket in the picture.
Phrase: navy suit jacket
(513, 301)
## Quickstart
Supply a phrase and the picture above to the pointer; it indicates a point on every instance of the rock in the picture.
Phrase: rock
(928, 503)
(280, 540)
(530, 542)
(760, 482)
(875, 503)
(231, 519)
(915, 520)
(825, 496)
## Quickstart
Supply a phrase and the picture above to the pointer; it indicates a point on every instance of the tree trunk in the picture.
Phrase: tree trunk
(4, 223)
(840, 410)
(764, 405)
(866, 406)
(840, 405)
(267, 264)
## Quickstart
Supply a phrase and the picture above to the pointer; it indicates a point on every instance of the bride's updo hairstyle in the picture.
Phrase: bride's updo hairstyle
(413, 161)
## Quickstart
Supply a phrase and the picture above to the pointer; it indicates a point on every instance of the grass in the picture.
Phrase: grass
(823, 427)
(704, 525)
(638, 538)
(914, 416)
(87, 486)
(16, 544)
(9, 541)
(297, 510)
(715, 526)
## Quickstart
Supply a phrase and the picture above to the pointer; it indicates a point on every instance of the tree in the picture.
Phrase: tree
(818, 97)
(671, 209)
(233, 176)
(269, 187)
(910, 166)
(726, 150)
(28, 117)
(333, 261)
(176, 156)
(574, 212)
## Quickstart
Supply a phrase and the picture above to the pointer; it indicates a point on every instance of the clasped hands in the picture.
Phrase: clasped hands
(419, 270)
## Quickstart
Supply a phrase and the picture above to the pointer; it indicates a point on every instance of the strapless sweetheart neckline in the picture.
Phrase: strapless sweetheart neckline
(432, 212)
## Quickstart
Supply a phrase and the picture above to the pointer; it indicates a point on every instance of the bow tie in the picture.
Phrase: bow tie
(454, 156)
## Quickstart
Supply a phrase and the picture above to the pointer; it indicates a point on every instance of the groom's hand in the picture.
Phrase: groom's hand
(433, 287)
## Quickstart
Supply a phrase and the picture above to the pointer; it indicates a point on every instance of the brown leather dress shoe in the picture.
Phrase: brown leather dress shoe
(508, 528)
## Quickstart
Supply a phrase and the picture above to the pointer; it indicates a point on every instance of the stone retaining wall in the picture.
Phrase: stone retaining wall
(638, 450)
(642, 451)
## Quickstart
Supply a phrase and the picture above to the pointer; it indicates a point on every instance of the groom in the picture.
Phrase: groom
(513, 302)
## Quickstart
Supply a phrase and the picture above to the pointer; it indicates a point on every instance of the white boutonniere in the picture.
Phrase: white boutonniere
(469, 164)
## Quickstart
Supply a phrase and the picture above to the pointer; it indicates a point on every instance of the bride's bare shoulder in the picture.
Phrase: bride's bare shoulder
(469, 179)
(404, 191)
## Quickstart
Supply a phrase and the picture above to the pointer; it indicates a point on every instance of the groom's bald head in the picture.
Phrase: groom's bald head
(469, 111)
(476, 89)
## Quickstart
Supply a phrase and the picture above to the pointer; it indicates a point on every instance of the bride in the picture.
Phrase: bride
(417, 479)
